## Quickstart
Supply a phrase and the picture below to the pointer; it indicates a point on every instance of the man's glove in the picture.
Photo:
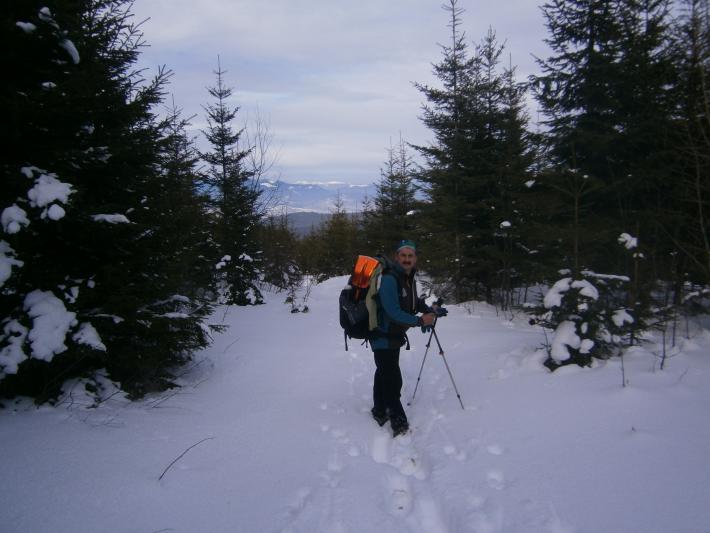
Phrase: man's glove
(427, 329)
(440, 311)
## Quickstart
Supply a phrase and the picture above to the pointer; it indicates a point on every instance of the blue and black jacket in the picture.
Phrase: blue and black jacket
(397, 308)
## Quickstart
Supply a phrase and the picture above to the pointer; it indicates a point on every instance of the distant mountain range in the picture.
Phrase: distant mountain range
(314, 197)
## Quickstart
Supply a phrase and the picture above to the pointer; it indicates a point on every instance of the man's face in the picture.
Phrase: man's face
(407, 259)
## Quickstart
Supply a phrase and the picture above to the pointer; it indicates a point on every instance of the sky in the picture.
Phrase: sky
(332, 79)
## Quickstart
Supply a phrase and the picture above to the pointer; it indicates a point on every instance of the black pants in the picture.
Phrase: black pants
(388, 383)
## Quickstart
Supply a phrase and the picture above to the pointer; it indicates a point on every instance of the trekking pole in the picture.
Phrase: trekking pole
(421, 368)
(441, 353)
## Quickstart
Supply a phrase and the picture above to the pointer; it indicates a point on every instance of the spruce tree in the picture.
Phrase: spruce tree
(388, 218)
(279, 245)
(448, 159)
(688, 223)
(81, 202)
(476, 117)
(234, 199)
(604, 95)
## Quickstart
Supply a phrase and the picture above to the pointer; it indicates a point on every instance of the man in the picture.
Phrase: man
(397, 310)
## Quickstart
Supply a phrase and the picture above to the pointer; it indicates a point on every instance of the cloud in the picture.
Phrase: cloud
(334, 77)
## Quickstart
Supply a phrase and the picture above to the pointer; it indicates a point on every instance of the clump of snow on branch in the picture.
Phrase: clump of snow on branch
(622, 317)
(553, 297)
(115, 218)
(71, 50)
(586, 289)
(13, 218)
(628, 241)
(48, 189)
(223, 262)
(7, 261)
(565, 337)
(87, 334)
(55, 212)
(12, 354)
(45, 15)
(51, 324)
(27, 27)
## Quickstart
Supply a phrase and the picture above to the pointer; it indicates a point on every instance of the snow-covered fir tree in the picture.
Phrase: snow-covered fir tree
(82, 286)
(234, 197)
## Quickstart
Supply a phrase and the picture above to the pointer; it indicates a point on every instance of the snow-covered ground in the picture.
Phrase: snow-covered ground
(278, 414)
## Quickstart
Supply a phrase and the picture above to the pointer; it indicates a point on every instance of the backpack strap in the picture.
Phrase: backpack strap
(370, 298)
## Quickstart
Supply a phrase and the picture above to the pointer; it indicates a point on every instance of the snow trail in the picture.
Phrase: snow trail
(292, 447)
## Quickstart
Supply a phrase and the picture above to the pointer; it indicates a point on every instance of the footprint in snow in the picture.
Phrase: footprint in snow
(400, 495)
(340, 435)
(381, 447)
(407, 459)
(452, 451)
(495, 449)
(335, 464)
(496, 479)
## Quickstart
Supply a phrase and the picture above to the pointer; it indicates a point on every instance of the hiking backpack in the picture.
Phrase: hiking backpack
(354, 315)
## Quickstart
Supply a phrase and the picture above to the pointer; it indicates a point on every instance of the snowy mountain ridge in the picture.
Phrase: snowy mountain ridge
(318, 197)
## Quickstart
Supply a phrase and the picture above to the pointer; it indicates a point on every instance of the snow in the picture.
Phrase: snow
(45, 15)
(271, 432)
(48, 189)
(27, 27)
(71, 50)
(7, 261)
(30, 171)
(605, 277)
(553, 297)
(621, 317)
(50, 326)
(175, 314)
(13, 218)
(55, 212)
(628, 241)
(87, 334)
(564, 337)
(586, 289)
(223, 262)
(115, 218)
(12, 354)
